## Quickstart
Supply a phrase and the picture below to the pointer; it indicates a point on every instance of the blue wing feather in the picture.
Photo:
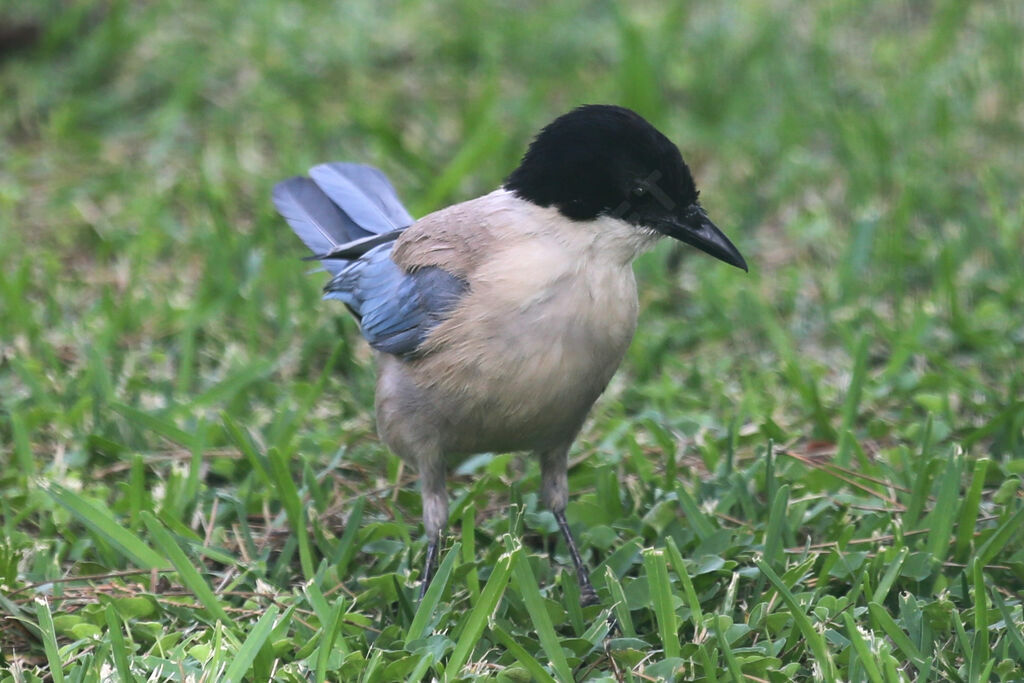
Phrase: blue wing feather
(353, 213)
(397, 309)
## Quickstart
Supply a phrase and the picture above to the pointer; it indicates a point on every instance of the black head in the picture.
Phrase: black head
(603, 160)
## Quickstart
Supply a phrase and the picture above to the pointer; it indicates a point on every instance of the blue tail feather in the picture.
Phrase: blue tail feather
(365, 194)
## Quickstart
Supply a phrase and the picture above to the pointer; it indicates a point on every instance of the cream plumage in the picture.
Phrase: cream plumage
(499, 321)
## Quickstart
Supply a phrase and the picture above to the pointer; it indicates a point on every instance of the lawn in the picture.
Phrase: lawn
(811, 471)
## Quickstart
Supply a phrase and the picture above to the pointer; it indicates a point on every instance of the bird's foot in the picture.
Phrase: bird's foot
(588, 596)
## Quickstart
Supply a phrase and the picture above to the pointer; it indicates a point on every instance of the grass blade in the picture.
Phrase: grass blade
(469, 552)
(21, 444)
(117, 644)
(49, 635)
(293, 508)
(661, 600)
(773, 541)
(571, 599)
(997, 541)
(882, 620)
(803, 623)
(980, 655)
(866, 658)
(527, 586)
(969, 510)
(619, 599)
(346, 548)
(922, 477)
(328, 635)
(722, 624)
(420, 672)
(189, 575)
(529, 662)
(152, 423)
(244, 442)
(1013, 630)
(100, 521)
(246, 654)
(702, 526)
(940, 521)
(485, 606)
(430, 599)
(890, 575)
(696, 615)
(227, 388)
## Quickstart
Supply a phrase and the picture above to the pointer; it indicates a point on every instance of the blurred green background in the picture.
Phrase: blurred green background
(163, 349)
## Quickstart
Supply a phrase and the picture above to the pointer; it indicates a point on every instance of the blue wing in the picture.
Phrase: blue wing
(349, 215)
(396, 309)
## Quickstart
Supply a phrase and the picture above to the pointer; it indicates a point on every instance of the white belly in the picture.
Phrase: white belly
(523, 359)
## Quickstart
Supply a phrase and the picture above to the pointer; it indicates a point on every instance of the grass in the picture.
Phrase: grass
(809, 472)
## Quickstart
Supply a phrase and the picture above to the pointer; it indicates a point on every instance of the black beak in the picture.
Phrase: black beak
(694, 227)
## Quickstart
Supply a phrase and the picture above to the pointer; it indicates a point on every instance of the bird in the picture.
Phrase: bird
(497, 322)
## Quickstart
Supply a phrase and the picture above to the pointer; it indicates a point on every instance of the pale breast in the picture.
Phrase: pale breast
(534, 344)
(549, 312)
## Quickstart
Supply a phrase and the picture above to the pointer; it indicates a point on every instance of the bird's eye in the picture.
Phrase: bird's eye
(639, 191)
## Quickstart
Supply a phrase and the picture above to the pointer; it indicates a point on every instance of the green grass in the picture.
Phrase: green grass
(810, 471)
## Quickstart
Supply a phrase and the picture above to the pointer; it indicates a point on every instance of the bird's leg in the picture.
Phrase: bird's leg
(430, 566)
(555, 494)
(435, 512)
(588, 596)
